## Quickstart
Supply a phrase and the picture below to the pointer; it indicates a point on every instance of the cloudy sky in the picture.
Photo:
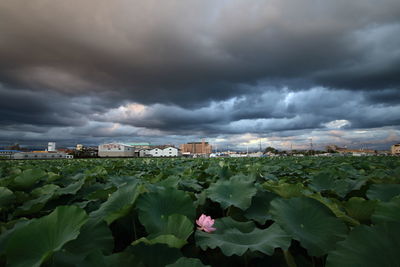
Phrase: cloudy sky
(234, 72)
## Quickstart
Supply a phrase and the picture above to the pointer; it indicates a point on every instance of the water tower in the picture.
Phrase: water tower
(51, 147)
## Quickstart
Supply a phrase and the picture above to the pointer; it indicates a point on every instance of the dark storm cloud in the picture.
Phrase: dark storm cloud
(82, 69)
(192, 52)
(269, 112)
(46, 109)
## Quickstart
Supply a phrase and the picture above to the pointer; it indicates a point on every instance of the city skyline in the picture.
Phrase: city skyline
(233, 72)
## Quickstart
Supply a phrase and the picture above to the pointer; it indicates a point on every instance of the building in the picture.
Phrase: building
(51, 147)
(79, 147)
(86, 152)
(194, 148)
(116, 150)
(160, 151)
(138, 146)
(41, 155)
(396, 149)
(7, 154)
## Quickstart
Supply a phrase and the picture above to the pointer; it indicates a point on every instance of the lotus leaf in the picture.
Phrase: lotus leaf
(174, 234)
(28, 178)
(285, 190)
(39, 239)
(234, 237)
(6, 197)
(259, 209)
(309, 222)
(360, 209)
(383, 192)
(119, 203)
(387, 211)
(156, 207)
(234, 192)
(157, 255)
(184, 262)
(368, 247)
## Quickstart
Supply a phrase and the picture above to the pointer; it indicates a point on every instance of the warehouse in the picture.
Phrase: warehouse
(41, 155)
(116, 150)
(7, 154)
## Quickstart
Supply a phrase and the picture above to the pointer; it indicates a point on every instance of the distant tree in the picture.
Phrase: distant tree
(271, 149)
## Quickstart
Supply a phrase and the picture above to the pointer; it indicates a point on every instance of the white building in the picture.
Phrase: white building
(160, 151)
(51, 147)
(116, 150)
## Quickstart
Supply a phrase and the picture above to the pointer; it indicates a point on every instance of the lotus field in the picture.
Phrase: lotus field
(340, 211)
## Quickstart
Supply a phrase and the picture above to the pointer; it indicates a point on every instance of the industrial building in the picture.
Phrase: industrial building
(138, 146)
(116, 150)
(194, 148)
(7, 154)
(41, 155)
(396, 149)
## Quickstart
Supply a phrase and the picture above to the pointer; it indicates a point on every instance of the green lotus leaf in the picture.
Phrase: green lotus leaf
(234, 237)
(43, 195)
(387, 211)
(334, 206)
(383, 192)
(259, 209)
(32, 206)
(51, 177)
(119, 203)
(155, 208)
(309, 222)
(28, 178)
(6, 197)
(93, 235)
(285, 190)
(360, 209)
(184, 262)
(39, 239)
(323, 180)
(157, 255)
(122, 259)
(174, 233)
(5, 235)
(368, 247)
(169, 240)
(71, 188)
(96, 258)
(177, 225)
(236, 191)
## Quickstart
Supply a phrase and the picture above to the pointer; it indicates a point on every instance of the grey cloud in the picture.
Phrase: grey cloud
(200, 68)
(188, 53)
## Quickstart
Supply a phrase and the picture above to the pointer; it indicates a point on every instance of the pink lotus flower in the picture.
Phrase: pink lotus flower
(205, 223)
